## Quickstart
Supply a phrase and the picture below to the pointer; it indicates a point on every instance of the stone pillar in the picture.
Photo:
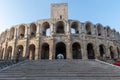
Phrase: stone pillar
(84, 50)
(51, 50)
(40, 26)
(13, 52)
(26, 31)
(68, 51)
(80, 28)
(54, 28)
(15, 33)
(24, 51)
(95, 48)
(4, 52)
(115, 52)
(38, 30)
(83, 28)
(36, 53)
(14, 45)
(68, 28)
(51, 29)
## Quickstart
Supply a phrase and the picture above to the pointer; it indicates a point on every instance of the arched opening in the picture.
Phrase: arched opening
(60, 27)
(21, 33)
(19, 52)
(9, 53)
(74, 28)
(46, 29)
(99, 29)
(31, 55)
(32, 30)
(111, 52)
(12, 30)
(76, 51)
(45, 51)
(108, 31)
(102, 50)
(118, 51)
(60, 49)
(88, 28)
(90, 51)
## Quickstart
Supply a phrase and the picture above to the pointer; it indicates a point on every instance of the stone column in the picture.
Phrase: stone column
(36, 53)
(26, 31)
(5, 50)
(51, 29)
(51, 50)
(68, 28)
(38, 30)
(15, 33)
(54, 28)
(84, 50)
(40, 26)
(68, 51)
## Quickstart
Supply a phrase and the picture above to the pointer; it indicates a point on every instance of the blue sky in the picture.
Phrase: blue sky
(106, 12)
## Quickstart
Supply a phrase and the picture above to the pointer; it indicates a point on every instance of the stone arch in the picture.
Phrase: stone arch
(45, 51)
(8, 53)
(88, 28)
(32, 30)
(46, 29)
(60, 49)
(12, 31)
(76, 51)
(112, 54)
(74, 27)
(21, 33)
(60, 27)
(19, 51)
(99, 29)
(90, 51)
(102, 50)
(31, 54)
(108, 31)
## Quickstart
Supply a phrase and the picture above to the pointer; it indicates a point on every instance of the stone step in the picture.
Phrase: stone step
(61, 70)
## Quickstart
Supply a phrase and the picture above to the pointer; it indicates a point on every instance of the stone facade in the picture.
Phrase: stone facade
(45, 39)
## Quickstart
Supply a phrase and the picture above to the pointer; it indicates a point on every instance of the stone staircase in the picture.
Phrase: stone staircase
(61, 70)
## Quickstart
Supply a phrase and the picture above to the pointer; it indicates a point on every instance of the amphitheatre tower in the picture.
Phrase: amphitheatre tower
(46, 38)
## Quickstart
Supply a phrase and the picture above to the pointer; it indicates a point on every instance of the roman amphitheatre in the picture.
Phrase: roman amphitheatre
(76, 41)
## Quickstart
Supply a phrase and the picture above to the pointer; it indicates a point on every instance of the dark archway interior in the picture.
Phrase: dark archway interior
(90, 51)
(45, 51)
(74, 28)
(111, 52)
(46, 29)
(19, 52)
(88, 28)
(76, 51)
(21, 31)
(9, 52)
(60, 27)
(99, 30)
(60, 49)
(32, 30)
(31, 55)
(101, 49)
